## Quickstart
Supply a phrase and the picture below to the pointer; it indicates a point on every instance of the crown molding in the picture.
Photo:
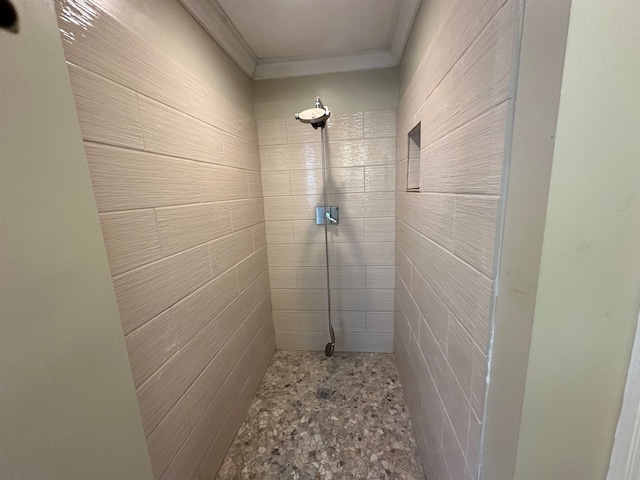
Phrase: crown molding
(267, 69)
(213, 19)
(211, 16)
(406, 14)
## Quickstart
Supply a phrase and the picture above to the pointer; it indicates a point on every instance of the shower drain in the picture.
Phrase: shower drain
(324, 393)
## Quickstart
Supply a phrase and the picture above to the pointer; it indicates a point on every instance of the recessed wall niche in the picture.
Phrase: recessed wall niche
(413, 160)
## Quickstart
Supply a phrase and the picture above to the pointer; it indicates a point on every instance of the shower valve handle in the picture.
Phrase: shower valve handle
(330, 218)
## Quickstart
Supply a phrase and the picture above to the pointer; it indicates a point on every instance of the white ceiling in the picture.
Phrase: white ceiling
(284, 38)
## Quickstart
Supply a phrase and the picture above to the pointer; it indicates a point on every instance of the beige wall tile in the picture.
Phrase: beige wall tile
(254, 181)
(144, 293)
(165, 441)
(341, 277)
(300, 133)
(302, 207)
(271, 131)
(343, 321)
(452, 451)
(459, 162)
(408, 240)
(497, 147)
(401, 176)
(299, 299)
(234, 315)
(171, 132)
(364, 299)
(210, 382)
(309, 341)
(283, 277)
(362, 254)
(478, 73)
(380, 322)
(364, 205)
(276, 183)
(227, 251)
(246, 213)
(345, 126)
(349, 230)
(108, 112)
(475, 230)
(380, 229)
(187, 226)
(472, 451)
(222, 183)
(251, 267)
(158, 395)
(186, 462)
(212, 107)
(279, 232)
(150, 346)
(440, 113)
(255, 321)
(478, 380)
(195, 311)
(286, 320)
(459, 354)
(310, 182)
(296, 255)
(408, 305)
(403, 267)
(432, 308)
(262, 284)
(240, 153)
(354, 153)
(195, 357)
(379, 178)
(464, 290)
(365, 342)
(126, 179)
(380, 123)
(404, 208)
(131, 239)
(259, 236)
(380, 277)
(433, 216)
(506, 30)
(112, 51)
(291, 157)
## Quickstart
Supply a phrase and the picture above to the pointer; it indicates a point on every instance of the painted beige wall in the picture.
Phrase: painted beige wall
(68, 404)
(360, 180)
(589, 287)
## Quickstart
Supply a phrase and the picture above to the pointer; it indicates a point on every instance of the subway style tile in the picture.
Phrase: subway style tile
(127, 179)
(131, 239)
(107, 112)
(170, 132)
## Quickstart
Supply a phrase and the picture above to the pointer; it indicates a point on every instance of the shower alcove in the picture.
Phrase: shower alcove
(206, 187)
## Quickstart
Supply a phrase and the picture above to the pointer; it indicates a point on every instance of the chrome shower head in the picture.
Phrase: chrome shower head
(317, 117)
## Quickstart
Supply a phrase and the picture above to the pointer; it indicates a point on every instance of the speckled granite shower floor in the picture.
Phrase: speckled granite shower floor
(332, 418)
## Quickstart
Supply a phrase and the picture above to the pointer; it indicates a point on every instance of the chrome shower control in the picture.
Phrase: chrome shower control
(330, 216)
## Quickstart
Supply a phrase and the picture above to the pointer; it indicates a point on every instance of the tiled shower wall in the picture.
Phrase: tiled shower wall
(445, 234)
(176, 177)
(361, 181)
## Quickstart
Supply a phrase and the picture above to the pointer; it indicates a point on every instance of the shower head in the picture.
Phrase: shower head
(317, 117)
